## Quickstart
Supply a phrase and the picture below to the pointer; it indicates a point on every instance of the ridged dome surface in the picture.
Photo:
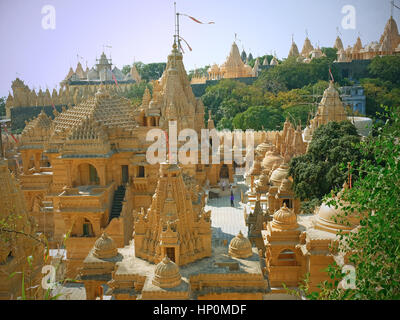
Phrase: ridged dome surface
(332, 219)
(105, 247)
(271, 159)
(240, 247)
(278, 175)
(166, 274)
(285, 218)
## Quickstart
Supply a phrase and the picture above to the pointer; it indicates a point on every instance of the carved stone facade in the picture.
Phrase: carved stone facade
(172, 226)
(329, 109)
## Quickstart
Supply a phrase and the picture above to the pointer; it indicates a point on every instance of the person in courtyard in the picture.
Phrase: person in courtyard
(232, 199)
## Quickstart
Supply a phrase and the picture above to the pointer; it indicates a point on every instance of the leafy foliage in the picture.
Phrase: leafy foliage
(135, 92)
(380, 93)
(151, 71)
(259, 118)
(294, 74)
(386, 68)
(2, 106)
(319, 171)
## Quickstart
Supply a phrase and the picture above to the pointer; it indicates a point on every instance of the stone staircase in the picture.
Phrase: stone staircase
(119, 195)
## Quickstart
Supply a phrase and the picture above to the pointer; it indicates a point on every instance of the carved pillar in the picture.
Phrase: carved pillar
(96, 226)
(102, 174)
(68, 167)
(37, 161)
(25, 161)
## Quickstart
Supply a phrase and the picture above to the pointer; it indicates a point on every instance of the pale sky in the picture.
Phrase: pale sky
(142, 30)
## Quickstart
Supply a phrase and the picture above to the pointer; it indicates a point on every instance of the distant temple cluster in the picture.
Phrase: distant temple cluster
(101, 72)
(234, 67)
(77, 86)
(388, 44)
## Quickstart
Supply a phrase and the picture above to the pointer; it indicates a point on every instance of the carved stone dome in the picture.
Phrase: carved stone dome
(271, 158)
(263, 148)
(331, 219)
(279, 174)
(240, 247)
(285, 218)
(166, 274)
(105, 247)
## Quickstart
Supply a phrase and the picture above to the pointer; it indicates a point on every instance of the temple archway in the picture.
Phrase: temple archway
(87, 175)
(82, 227)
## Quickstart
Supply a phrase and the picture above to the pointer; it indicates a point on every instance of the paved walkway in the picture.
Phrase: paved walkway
(227, 221)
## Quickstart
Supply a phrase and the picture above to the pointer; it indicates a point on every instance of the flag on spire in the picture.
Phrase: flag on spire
(15, 139)
(115, 79)
(196, 20)
(330, 73)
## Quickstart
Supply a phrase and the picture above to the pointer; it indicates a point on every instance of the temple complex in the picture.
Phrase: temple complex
(85, 171)
(83, 182)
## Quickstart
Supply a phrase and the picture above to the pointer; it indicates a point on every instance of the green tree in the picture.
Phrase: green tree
(136, 91)
(2, 106)
(126, 69)
(331, 53)
(294, 74)
(380, 93)
(151, 71)
(298, 114)
(259, 118)
(216, 94)
(386, 68)
(198, 71)
(319, 171)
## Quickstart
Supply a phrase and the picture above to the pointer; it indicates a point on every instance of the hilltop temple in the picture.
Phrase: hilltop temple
(232, 68)
(76, 87)
(101, 72)
(389, 44)
(329, 109)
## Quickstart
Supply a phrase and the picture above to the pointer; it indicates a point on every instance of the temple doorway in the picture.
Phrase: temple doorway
(170, 253)
(87, 228)
(125, 174)
(224, 172)
(288, 202)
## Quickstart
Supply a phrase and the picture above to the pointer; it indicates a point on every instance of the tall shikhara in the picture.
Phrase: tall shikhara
(172, 226)
(173, 99)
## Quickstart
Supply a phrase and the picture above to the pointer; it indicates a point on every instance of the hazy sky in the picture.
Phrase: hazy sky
(142, 30)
